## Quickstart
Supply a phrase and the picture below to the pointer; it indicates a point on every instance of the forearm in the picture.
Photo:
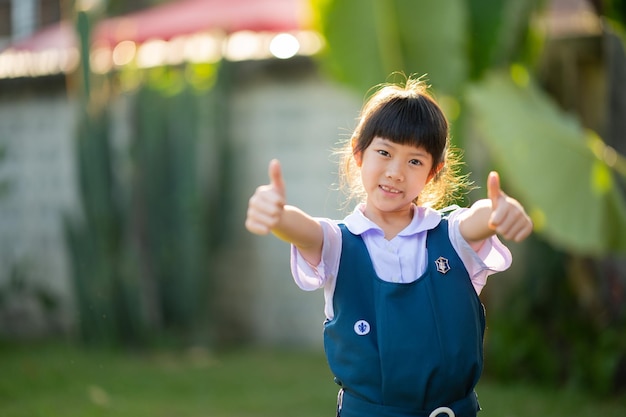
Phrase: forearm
(482, 221)
(301, 230)
(499, 214)
(474, 223)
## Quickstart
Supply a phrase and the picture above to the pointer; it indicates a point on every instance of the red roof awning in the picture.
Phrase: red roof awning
(178, 17)
(190, 16)
(57, 36)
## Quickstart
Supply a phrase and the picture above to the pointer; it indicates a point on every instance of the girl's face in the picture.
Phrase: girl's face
(393, 175)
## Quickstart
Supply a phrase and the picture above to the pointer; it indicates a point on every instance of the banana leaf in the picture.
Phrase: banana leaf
(554, 165)
(367, 40)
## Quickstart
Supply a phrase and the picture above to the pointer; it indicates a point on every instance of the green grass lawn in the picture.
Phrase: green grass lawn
(64, 381)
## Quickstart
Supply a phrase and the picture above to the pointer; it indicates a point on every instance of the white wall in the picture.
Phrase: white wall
(36, 134)
(299, 123)
(298, 120)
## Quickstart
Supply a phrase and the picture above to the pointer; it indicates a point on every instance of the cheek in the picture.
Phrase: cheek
(421, 183)
(369, 176)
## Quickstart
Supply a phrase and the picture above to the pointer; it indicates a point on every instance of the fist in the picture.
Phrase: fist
(266, 206)
(508, 217)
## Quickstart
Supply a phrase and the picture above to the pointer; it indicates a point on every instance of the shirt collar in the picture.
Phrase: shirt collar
(424, 218)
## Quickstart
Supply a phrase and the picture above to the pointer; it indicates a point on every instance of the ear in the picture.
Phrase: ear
(357, 155)
(435, 171)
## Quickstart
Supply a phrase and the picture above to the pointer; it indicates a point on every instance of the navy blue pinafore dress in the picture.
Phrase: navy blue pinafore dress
(403, 350)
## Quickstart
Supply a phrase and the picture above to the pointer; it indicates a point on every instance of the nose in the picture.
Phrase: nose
(395, 171)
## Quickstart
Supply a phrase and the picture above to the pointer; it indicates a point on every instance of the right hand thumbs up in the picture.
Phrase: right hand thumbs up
(266, 205)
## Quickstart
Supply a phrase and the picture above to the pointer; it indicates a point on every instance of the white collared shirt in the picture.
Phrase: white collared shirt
(401, 259)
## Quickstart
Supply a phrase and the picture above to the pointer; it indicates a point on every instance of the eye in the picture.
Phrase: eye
(415, 162)
(383, 152)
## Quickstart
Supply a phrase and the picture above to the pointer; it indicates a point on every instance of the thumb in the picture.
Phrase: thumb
(276, 176)
(493, 189)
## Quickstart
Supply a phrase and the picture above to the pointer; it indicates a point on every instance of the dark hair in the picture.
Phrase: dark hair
(407, 114)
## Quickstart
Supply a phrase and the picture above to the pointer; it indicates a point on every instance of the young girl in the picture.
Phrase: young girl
(404, 325)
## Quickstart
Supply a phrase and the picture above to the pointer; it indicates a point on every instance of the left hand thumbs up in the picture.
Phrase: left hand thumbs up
(494, 193)
(508, 217)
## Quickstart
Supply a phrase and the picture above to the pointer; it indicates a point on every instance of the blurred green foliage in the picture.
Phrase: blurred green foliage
(562, 323)
(4, 183)
(141, 252)
(537, 167)
(483, 56)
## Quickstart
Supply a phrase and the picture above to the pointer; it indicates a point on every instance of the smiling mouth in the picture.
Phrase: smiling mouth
(389, 189)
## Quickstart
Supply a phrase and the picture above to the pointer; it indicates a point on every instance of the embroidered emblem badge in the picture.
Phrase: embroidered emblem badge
(442, 265)
(361, 327)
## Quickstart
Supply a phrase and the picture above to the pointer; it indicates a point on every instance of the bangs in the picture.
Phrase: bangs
(414, 120)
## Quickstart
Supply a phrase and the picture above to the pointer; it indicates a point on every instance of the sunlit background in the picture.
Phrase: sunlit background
(132, 134)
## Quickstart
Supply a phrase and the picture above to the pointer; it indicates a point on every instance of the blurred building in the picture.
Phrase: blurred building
(583, 51)
(281, 107)
(278, 93)
(21, 18)
(38, 182)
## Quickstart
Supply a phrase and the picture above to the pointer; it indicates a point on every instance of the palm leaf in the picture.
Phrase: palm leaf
(553, 165)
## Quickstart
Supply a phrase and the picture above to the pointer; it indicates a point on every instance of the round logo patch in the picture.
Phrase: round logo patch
(361, 327)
